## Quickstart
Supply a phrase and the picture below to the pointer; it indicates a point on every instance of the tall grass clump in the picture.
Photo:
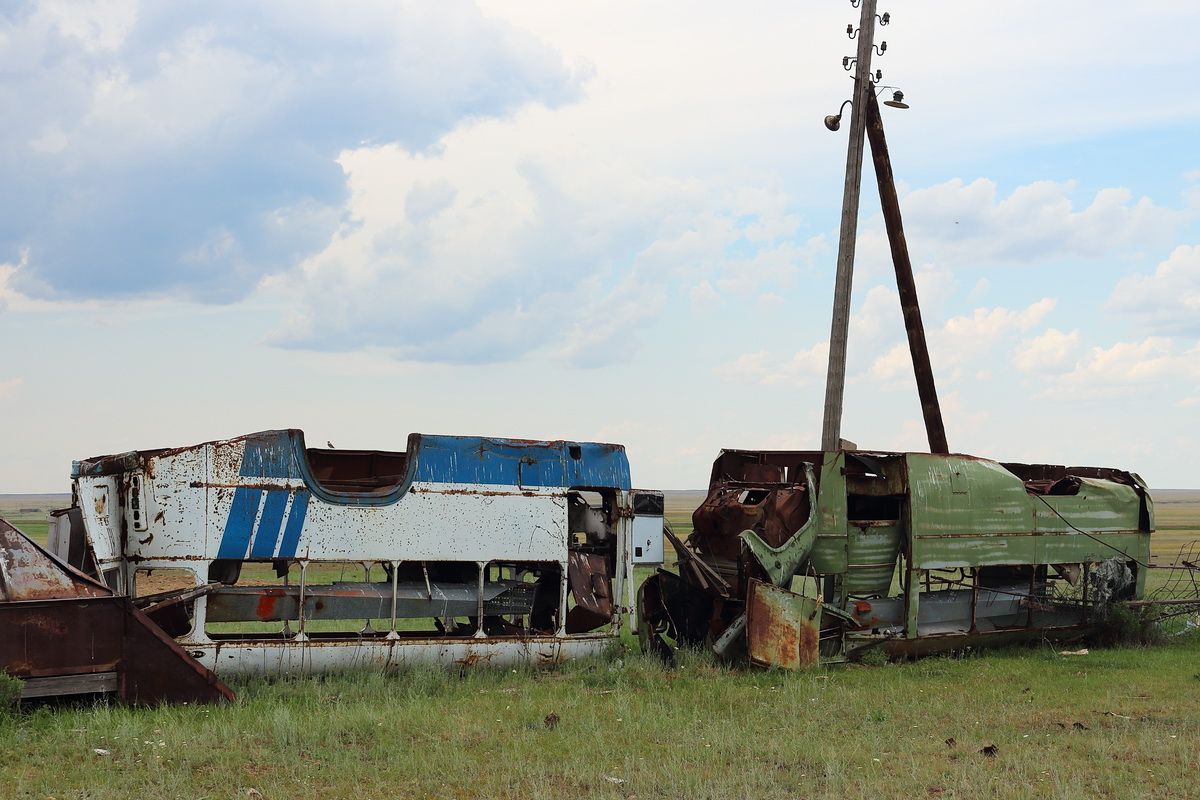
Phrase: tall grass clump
(10, 692)
(1126, 626)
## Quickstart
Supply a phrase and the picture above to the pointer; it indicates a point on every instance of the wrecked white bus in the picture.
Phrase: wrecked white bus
(259, 554)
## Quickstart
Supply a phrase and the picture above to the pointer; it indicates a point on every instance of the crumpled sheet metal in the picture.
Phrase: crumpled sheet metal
(63, 633)
(27, 572)
(782, 628)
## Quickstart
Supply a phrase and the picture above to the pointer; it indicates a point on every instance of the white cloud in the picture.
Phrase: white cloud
(1167, 301)
(878, 346)
(1051, 352)
(508, 240)
(966, 338)
(187, 150)
(961, 344)
(962, 424)
(706, 301)
(96, 24)
(1130, 368)
(979, 290)
(770, 303)
(969, 225)
(10, 387)
(803, 368)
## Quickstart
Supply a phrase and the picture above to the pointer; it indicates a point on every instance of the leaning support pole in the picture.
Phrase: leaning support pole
(905, 284)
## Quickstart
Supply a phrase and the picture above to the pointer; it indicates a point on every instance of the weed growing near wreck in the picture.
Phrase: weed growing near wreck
(1123, 625)
(1112, 723)
(10, 691)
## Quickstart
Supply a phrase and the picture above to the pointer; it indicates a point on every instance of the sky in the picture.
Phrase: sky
(596, 220)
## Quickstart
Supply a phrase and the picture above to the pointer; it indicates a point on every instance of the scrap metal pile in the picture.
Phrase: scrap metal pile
(63, 633)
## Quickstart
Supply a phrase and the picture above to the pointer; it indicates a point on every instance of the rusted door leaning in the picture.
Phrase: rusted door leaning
(782, 628)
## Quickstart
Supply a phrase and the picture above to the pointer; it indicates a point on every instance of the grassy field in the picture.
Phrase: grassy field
(30, 513)
(1113, 723)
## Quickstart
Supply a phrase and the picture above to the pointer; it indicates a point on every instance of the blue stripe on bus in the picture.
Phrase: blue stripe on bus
(236, 539)
(269, 524)
(295, 523)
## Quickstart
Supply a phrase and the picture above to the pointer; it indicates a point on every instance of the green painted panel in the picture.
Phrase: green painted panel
(942, 552)
(1099, 506)
(1065, 548)
(958, 494)
(871, 552)
(829, 552)
(1071, 547)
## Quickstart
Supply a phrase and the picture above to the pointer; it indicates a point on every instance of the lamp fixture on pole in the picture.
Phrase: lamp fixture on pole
(865, 117)
(835, 381)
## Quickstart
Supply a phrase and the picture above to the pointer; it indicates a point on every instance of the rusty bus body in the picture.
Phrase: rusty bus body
(260, 554)
(798, 558)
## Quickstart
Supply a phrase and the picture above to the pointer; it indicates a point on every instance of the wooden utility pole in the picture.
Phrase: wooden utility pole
(835, 381)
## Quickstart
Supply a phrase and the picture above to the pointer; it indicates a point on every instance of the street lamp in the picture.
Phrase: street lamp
(834, 121)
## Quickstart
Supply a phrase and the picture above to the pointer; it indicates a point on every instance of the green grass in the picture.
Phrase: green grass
(33, 523)
(628, 727)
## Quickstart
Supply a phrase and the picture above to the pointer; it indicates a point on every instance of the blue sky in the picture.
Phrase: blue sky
(609, 221)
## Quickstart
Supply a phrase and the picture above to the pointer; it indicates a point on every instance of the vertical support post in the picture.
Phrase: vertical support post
(479, 632)
(905, 285)
(1032, 602)
(302, 636)
(392, 634)
(624, 583)
(835, 381)
(564, 567)
(974, 599)
(912, 603)
(1087, 580)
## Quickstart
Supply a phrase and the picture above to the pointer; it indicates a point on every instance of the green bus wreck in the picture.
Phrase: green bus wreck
(800, 558)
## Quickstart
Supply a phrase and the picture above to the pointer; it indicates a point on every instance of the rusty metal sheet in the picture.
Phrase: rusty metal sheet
(86, 636)
(70, 634)
(770, 508)
(782, 628)
(591, 586)
(27, 572)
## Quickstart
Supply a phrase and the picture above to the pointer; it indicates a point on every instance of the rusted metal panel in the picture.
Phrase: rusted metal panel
(782, 628)
(27, 572)
(70, 634)
(591, 588)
